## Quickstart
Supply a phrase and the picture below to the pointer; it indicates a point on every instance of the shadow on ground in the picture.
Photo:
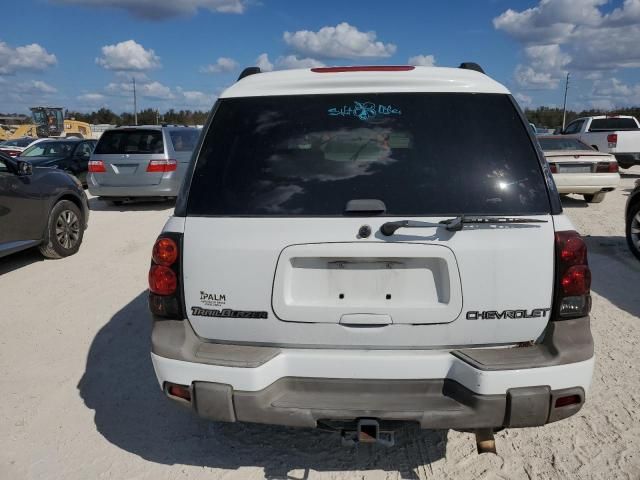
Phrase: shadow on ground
(615, 272)
(624, 174)
(131, 412)
(99, 205)
(573, 202)
(21, 259)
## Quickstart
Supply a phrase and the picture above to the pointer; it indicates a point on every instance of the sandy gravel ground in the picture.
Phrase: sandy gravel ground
(80, 400)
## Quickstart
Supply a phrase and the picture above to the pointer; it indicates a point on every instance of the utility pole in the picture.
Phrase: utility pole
(135, 103)
(564, 107)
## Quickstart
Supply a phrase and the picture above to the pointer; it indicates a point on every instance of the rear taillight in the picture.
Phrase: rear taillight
(573, 277)
(607, 167)
(162, 280)
(97, 166)
(553, 167)
(162, 165)
(612, 140)
(165, 294)
(165, 252)
(12, 153)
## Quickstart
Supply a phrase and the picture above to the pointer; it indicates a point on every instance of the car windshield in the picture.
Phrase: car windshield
(550, 144)
(420, 153)
(49, 149)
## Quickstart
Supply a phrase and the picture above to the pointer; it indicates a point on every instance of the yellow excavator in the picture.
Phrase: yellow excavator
(47, 122)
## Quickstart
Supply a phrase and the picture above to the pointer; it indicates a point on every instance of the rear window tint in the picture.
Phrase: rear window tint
(130, 142)
(548, 144)
(421, 154)
(613, 124)
(184, 140)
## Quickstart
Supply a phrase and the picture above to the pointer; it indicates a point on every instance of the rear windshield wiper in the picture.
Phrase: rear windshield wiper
(454, 224)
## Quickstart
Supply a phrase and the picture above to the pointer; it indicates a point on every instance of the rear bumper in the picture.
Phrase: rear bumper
(592, 183)
(472, 388)
(168, 187)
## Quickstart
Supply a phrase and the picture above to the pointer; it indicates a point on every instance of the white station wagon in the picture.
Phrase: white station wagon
(359, 247)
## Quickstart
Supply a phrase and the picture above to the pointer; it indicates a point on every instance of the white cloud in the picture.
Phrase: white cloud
(35, 87)
(154, 90)
(422, 60)
(527, 77)
(28, 57)
(163, 9)
(222, 65)
(602, 104)
(583, 37)
(128, 56)
(612, 87)
(292, 61)
(551, 21)
(263, 62)
(547, 57)
(341, 41)
(523, 100)
(91, 98)
(195, 99)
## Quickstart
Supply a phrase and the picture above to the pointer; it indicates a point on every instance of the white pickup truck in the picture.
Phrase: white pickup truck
(618, 135)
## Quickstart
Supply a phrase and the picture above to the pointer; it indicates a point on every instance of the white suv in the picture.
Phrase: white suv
(360, 246)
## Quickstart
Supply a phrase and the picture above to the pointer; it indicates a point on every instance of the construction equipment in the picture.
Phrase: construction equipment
(48, 122)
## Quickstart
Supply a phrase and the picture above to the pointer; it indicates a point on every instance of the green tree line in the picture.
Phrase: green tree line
(145, 117)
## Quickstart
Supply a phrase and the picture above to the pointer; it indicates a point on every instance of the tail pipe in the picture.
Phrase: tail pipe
(485, 441)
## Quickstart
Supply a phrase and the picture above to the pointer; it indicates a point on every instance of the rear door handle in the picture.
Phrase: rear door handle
(364, 319)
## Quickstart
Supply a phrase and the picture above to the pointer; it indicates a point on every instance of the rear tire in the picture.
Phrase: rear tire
(633, 229)
(65, 230)
(594, 197)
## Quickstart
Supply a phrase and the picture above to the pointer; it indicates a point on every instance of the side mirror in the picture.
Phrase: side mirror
(24, 168)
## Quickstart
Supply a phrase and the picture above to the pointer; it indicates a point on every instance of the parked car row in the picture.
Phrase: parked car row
(42, 202)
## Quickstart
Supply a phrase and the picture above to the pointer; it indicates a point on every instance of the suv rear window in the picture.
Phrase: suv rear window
(604, 124)
(130, 142)
(421, 154)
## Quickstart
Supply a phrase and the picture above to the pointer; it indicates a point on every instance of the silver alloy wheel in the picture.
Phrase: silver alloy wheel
(67, 229)
(635, 231)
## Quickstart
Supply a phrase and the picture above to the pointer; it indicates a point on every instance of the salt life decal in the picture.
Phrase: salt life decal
(364, 110)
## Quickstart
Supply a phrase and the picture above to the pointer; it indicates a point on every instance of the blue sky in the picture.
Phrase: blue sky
(81, 54)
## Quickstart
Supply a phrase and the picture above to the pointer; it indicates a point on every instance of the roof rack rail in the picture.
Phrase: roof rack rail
(249, 71)
(471, 66)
